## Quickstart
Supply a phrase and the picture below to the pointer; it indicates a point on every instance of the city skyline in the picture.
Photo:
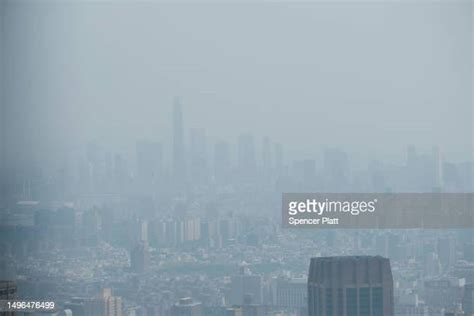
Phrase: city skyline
(253, 158)
(115, 84)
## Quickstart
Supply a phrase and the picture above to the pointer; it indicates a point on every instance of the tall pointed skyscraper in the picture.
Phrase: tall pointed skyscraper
(178, 163)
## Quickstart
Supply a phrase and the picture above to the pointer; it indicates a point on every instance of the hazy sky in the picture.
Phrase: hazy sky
(365, 76)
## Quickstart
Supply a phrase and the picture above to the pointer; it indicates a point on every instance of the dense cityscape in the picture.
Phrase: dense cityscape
(110, 234)
(236, 158)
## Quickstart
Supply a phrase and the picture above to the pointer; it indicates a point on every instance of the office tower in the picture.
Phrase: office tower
(305, 174)
(377, 177)
(105, 304)
(468, 251)
(266, 156)
(191, 229)
(278, 157)
(210, 233)
(228, 229)
(464, 270)
(432, 265)
(120, 173)
(246, 156)
(89, 230)
(245, 285)
(437, 169)
(179, 162)
(198, 153)
(186, 307)
(233, 311)
(336, 170)
(138, 231)
(291, 293)
(444, 293)
(94, 167)
(8, 290)
(468, 300)
(249, 308)
(446, 248)
(149, 163)
(3, 152)
(222, 168)
(7, 263)
(140, 257)
(352, 285)
(408, 304)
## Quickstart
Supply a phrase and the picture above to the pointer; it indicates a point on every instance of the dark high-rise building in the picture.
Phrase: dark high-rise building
(350, 286)
(8, 291)
(178, 163)
(468, 300)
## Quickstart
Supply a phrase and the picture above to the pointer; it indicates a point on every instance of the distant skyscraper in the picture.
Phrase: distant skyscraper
(246, 285)
(120, 173)
(233, 311)
(140, 257)
(179, 162)
(443, 293)
(267, 155)
(291, 293)
(222, 168)
(432, 265)
(103, 305)
(305, 173)
(95, 167)
(437, 162)
(149, 162)
(336, 170)
(350, 286)
(246, 156)
(198, 153)
(446, 247)
(139, 231)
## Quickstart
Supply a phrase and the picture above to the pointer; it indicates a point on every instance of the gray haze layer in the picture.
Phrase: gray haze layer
(368, 77)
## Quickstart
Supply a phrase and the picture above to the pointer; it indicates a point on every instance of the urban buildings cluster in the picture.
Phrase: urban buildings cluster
(200, 234)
